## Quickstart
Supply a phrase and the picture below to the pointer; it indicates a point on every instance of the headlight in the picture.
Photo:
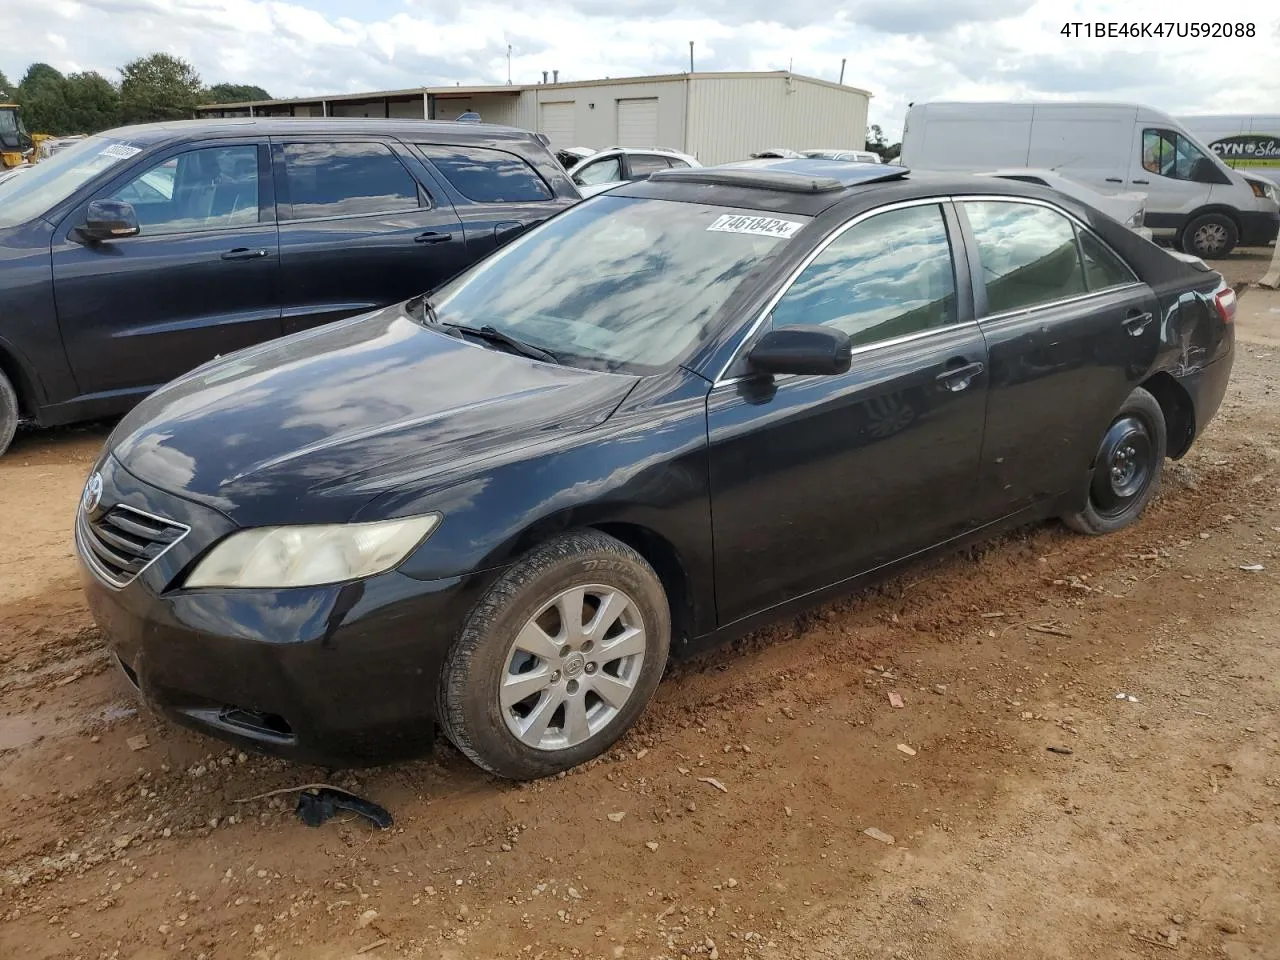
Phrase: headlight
(299, 556)
(1138, 216)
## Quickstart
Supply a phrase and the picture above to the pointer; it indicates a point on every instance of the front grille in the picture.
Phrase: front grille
(123, 542)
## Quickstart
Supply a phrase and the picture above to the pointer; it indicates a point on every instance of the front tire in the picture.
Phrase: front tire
(558, 659)
(8, 413)
(1210, 236)
(1127, 468)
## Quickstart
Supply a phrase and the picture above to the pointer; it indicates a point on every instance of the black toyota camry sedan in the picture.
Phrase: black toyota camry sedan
(669, 414)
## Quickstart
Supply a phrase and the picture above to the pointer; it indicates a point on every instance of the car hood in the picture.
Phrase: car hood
(309, 428)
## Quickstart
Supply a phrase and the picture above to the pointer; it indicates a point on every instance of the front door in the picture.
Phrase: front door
(199, 280)
(1070, 332)
(357, 230)
(817, 479)
(1166, 166)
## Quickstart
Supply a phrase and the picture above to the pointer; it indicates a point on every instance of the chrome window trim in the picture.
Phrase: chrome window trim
(91, 560)
(1050, 304)
(813, 254)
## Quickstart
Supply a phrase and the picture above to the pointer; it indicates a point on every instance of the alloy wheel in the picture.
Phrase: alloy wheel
(572, 667)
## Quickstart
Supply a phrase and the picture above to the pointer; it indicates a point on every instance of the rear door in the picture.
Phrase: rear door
(815, 479)
(496, 193)
(200, 279)
(357, 229)
(1070, 332)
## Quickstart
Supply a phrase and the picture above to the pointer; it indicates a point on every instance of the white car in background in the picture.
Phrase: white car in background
(604, 170)
(857, 156)
(1129, 208)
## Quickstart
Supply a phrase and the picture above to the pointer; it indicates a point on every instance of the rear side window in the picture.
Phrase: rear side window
(643, 164)
(346, 179)
(1102, 268)
(1028, 254)
(487, 176)
(888, 276)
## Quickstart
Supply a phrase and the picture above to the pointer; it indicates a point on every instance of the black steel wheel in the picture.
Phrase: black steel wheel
(1127, 468)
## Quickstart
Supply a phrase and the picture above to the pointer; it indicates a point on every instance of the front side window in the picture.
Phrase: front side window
(1028, 254)
(643, 164)
(618, 283)
(1169, 154)
(602, 171)
(206, 189)
(888, 276)
(346, 179)
(487, 176)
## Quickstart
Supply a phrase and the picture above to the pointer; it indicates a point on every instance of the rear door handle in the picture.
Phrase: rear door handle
(244, 253)
(956, 379)
(1115, 180)
(432, 237)
(1135, 323)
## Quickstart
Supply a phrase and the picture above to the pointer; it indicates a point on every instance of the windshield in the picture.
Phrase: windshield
(51, 181)
(617, 283)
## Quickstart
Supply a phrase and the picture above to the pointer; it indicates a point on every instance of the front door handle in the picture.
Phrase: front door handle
(958, 378)
(244, 253)
(432, 237)
(1143, 182)
(1135, 323)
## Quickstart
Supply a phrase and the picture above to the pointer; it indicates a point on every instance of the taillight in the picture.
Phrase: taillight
(1225, 301)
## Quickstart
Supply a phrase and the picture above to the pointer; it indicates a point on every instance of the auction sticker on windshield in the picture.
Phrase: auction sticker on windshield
(120, 151)
(757, 226)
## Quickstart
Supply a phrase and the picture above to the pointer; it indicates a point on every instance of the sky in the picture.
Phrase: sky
(900, 50)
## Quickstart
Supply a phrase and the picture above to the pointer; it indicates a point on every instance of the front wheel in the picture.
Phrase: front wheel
(1127, 468)
(558, 659)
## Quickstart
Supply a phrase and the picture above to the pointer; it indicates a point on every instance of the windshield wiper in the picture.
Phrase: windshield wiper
(494, 335)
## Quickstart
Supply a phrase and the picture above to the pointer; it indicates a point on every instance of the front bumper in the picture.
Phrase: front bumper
(1258, 227)
(342, 675)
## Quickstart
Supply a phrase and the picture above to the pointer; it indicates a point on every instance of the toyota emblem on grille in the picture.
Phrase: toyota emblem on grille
(92, 496)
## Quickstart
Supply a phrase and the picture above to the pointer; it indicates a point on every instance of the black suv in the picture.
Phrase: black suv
(140, 253)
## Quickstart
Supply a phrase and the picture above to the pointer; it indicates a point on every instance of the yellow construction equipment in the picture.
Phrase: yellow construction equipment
(16, 145)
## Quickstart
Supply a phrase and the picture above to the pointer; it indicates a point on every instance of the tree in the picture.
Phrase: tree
(159, 87)
(93, 103)
(7, 89)
(42, 95)
(234, 93)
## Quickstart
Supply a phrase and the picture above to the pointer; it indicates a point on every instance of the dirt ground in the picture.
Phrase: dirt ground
(1085, 765)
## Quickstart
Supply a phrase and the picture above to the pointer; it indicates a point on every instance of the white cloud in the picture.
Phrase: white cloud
(901, 50)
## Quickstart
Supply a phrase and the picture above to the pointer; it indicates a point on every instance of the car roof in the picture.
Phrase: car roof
(808, 187)
(153, 133)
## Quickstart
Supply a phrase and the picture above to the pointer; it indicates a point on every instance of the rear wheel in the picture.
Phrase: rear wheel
(1210, 236)
(1127, 468)
(8, 413)
(558, 659)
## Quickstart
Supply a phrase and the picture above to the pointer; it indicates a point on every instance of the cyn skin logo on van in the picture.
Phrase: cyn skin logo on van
(1249, 150)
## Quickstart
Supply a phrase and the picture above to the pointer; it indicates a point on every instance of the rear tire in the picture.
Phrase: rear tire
(1210, 236)
(1127, 468)
(8, 413)
(525, 692)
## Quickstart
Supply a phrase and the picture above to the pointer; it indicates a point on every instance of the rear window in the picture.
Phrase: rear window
(487, 176)
(346, 179)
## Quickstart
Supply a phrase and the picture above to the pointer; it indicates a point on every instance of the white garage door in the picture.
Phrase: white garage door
(638, 122)
(557, 123)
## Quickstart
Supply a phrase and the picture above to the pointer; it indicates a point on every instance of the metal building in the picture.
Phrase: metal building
(716, 117)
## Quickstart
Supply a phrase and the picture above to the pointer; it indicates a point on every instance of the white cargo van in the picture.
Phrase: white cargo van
(1193, 198)
(1250, 144)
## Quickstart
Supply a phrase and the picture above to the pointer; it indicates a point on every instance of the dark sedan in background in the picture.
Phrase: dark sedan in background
(139, 253)
(667, 415)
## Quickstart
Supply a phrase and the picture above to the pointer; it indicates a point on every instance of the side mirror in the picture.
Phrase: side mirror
(109, 220)
(808, 350)
(1203, 171)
